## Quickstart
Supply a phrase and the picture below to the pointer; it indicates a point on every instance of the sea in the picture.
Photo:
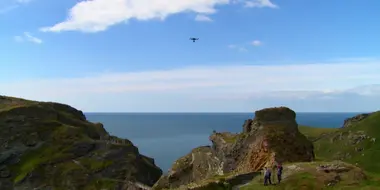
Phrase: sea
(168, 136)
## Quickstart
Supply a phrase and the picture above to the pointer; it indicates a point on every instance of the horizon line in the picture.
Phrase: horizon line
(213, 112)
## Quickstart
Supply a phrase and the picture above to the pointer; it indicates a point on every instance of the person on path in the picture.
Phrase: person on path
(279, 172)
(267, 175)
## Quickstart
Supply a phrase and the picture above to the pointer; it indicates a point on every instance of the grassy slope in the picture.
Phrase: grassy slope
(60, 137)
(340, 143)
(309, 179)
(314, 133)
(60, 128)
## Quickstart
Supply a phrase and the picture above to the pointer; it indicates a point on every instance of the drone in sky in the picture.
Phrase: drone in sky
(194, 39)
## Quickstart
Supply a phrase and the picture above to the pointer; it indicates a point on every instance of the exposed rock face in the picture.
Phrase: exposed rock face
(53, 146)
(247, 126)
(272, 136)
(351, 121)
(200, 164)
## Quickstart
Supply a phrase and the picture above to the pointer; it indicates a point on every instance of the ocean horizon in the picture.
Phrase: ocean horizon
(168, 136)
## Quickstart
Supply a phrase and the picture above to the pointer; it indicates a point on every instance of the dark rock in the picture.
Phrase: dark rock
(5, 173)
(247, 126)
(6, 185)
(275, 114)
(5, 157)
(358, 149)
(31, 140)
(81, 148)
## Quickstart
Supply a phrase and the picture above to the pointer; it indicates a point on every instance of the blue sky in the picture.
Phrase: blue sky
(136, 56)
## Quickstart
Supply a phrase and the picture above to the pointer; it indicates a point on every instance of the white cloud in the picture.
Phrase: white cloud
(203, 18)
(242, 48)
(237, 47)
(31, 38)
(256, 43)
(366, 90)
(7, 9)
(98, 15)
(28, 37)
(13, 5)
(196, 88)
(260, 4)
(232, 46)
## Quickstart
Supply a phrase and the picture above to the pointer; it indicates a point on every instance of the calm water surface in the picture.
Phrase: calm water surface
(168, 136)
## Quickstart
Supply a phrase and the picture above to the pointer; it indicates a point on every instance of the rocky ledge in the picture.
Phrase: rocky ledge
(52, 146)
(272, 136)
(353, 120)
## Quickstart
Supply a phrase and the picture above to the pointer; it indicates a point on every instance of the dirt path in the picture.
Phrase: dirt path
(241, 180)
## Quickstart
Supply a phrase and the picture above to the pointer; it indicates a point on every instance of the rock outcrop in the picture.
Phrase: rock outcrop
(52, 146)
(272, 136)
(353, 120)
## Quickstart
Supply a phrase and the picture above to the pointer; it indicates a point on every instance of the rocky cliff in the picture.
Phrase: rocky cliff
(356, 119)
(52, 146)
(272, 136)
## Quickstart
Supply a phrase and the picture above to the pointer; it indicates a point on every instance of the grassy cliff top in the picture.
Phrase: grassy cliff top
(314, 133)
(310, 175)
(8, 102)
(357, 144)
(45, 144)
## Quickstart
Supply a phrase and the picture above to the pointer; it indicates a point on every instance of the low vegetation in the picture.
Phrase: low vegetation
(315, 133)
(310, 175)
(358, 144)
(52, 145)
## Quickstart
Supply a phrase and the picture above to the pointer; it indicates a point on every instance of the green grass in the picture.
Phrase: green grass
(94, 165)
(302, 180)
(31, 160)
(101, 184)
(56, 148)
(313, 133)
(7, 103)
(309, 178)
(329, 149)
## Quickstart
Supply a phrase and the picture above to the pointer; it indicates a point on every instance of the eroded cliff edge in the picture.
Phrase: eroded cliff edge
(272, 136)
(48, 145)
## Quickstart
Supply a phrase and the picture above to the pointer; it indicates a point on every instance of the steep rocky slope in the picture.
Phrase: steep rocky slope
(272, 136)
(52, 146)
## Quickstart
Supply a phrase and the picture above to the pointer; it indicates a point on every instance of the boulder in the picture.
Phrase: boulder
(5, 173)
